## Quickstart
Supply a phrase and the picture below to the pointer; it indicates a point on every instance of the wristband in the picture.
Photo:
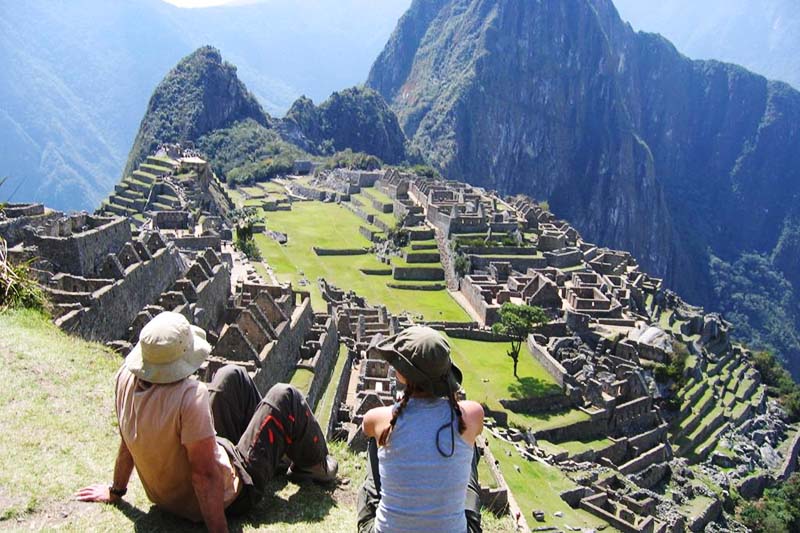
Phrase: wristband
(119, 493)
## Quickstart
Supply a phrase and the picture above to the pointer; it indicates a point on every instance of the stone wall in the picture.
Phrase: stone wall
(498, 250)
(519, 263)
(790, 462)
(422, 257)
(563, 258)
(173, 219)
(588, 429)
(281, 359)
(474, 334)
(82, 253)
(114, 307)
(326, 362)
(552, 366)
(542, 404)
(212, 296)
(12, 229)
(199, 243)
(369, 234)
(418, 273)
(350, 251)
(341, 393)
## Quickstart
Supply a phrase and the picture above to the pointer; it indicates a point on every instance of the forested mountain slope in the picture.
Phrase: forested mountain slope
(688, 164)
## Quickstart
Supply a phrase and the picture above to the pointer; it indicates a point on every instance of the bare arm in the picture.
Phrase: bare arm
(473, 418)
(376, 420)
(123, 467)
(208, 483)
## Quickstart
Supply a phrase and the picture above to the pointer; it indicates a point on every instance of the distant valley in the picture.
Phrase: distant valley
(78, 75)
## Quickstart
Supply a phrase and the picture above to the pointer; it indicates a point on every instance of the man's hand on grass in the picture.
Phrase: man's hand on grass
(96, 493)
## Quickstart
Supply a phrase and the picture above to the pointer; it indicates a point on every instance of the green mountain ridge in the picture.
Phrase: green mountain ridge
(78, 74)
(357, 118)
(203, 101)
(201, 94)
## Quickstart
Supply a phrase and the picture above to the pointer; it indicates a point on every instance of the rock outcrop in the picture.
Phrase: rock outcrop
(639, 146)
(356, 118)
(201, 94)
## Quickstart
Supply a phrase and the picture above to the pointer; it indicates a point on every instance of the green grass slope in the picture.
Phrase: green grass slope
(58, 433)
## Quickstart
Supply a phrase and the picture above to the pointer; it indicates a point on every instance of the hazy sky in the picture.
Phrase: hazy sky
(207, 3)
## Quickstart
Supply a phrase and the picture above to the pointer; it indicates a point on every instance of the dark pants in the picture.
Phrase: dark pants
(258, 432)
(369, 495)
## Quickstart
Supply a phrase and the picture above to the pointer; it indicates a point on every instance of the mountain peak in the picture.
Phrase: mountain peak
(200, 94)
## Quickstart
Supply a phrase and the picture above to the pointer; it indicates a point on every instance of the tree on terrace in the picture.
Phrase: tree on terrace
(517, 322)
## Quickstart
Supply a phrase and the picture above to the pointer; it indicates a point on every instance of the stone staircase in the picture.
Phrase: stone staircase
(148, 188)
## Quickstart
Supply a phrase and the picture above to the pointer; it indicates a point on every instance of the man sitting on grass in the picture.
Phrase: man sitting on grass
(167, 422)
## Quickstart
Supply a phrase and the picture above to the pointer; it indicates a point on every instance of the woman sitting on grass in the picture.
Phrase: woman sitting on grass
(426, 477)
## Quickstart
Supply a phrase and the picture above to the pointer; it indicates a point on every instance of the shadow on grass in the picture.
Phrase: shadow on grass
(528, 387)
(310, 504)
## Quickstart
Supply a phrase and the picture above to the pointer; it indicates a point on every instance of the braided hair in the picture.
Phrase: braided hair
(462, 426)
(396, 412)
(383, 438)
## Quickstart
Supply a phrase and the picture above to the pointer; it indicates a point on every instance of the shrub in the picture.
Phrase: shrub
(354, 161)
(17, 287)
(779, 383)
(462, 265)
(778, 511)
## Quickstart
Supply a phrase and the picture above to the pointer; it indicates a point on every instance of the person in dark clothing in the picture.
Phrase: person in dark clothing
(201, 455)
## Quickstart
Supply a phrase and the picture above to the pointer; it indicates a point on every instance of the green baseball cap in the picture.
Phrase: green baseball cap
(422, 355)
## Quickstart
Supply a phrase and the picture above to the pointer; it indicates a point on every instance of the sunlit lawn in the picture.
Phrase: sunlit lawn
(538, 486)
(328, 225)
(58, 433)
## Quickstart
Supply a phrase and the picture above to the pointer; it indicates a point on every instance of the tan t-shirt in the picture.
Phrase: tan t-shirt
(156, 421)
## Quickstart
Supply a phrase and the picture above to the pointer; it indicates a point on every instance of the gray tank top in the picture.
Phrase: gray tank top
(421, 490)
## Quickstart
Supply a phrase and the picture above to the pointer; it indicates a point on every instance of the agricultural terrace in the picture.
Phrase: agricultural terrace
(331, 226)
(488, 375)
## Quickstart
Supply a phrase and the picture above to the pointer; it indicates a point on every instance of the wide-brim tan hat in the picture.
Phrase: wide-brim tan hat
(422, 355)
(169, 349)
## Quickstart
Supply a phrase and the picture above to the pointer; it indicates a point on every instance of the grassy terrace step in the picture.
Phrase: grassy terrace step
(157, 206)
(140, 186)
(164, 163)
(728, 400)
(706, 403)
(702, 451)
(745, 389)
(340, 230)
(387, 218)
(537, 486)
(422, 258)
(741, 412)
(144, 177)
(122, 201)
(375, 194)
(117, 209)
(694, 394)
(575, 447)
(710, 423)
(131, 194)
(302, 379)
(167, 200)
(155, 170)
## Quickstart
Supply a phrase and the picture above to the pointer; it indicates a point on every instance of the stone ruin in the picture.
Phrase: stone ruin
(368, 383)
(108, 275)
(613, 328)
